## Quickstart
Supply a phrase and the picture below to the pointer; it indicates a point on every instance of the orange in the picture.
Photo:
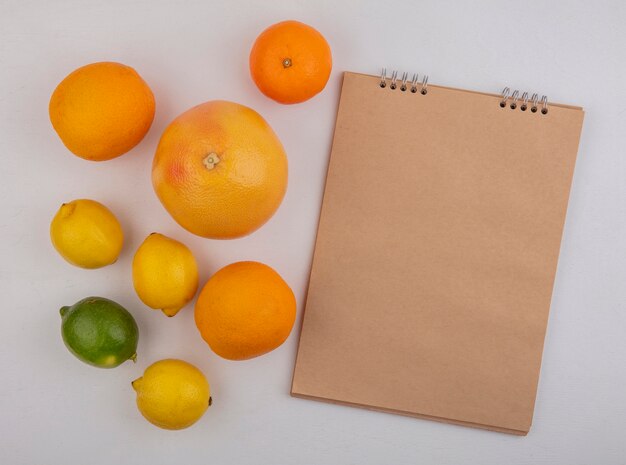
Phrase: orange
(102, 110)
(245, 310)
(290, 62)
(220, 170)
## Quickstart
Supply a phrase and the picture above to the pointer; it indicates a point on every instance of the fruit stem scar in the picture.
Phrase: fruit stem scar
(64, 310)
(67, 209)
(287, 62)
(134, 357)
(211, 160)
(210, 401)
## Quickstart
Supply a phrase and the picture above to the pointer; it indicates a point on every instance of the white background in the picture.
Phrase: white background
(56, 410)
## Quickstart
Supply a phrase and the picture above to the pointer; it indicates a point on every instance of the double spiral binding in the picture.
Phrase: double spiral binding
(515, 98)
(405, 84)
(525, 101)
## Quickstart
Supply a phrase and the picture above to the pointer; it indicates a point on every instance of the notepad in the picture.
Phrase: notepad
(436, 251)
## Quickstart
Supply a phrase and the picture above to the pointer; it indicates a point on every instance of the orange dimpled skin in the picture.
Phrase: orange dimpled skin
(245, 310)
(102, 110)
(220, 170)
(290, 62)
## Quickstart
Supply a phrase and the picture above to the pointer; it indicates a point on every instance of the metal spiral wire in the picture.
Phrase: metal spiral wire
(404, 84)
(508, 99)
(506, 96)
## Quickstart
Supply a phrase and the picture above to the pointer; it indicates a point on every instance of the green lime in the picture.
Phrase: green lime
(99, 332)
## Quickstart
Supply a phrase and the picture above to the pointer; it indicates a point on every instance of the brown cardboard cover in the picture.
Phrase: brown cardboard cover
(436, 254)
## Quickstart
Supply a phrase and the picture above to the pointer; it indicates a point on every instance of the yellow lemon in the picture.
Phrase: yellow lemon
(165, 274)
(86, 234)
(172, 394)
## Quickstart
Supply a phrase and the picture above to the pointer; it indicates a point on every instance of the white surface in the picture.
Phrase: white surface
(56, 410)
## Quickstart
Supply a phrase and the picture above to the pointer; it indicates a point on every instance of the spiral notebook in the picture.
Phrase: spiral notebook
(436, 251)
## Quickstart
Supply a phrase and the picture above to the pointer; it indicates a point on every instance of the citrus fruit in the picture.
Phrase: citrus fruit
(172, 394)
(86, 234)
(165, 274)
(99, 332)
(245, 310)
(220, 170)
(102, 110)
(290, 62)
